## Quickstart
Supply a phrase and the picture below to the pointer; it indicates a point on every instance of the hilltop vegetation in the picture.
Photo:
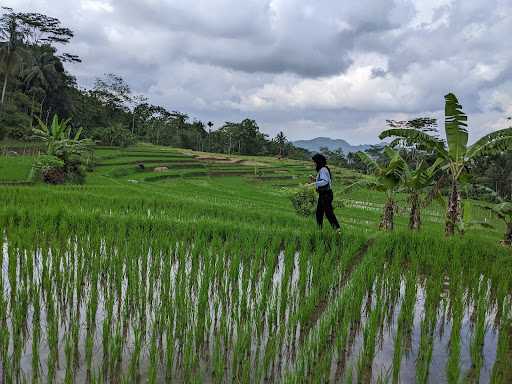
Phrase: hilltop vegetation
(36, 85)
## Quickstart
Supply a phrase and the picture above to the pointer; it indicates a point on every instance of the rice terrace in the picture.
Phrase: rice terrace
(141, 245)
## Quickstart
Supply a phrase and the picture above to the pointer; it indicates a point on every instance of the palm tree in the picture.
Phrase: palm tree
(455, 152)
(41, 76)
(416, 182)
(387, 179)
(9, 48)
(281, 142)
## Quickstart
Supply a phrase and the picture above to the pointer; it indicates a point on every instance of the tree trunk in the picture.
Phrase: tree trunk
(508, 235)
(453, 215)
(387, 222)
(415, 215)
(4, 89)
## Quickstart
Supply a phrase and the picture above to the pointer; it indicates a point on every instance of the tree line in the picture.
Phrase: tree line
(36, 86)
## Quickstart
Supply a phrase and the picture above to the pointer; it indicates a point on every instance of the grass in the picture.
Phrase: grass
(15, 168)
(194, 276)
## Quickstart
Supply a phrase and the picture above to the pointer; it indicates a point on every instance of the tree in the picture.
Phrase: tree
(11, 37)
(418, 181)
(455, 152)
(135, 102)
(387, 179)
(113, 93)
(43, 76)
(503, 211)
(281, 142)
(21, 31)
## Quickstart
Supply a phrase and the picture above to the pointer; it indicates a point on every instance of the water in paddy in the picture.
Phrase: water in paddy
(414, 344)
(184, 314)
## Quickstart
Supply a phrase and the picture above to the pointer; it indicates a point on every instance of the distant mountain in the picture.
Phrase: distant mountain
(314, 145)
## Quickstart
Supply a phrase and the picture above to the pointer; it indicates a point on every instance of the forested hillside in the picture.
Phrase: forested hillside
(36, 85)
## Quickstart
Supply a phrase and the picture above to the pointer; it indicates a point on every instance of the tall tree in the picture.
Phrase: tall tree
(20, 31)
(281, 142)
(11, 37)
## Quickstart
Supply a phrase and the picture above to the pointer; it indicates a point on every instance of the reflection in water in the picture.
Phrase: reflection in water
(86, 308)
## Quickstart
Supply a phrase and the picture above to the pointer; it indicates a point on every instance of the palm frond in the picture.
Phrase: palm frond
(491, 144)
(455, 128)
(368, 161)
(473, 224)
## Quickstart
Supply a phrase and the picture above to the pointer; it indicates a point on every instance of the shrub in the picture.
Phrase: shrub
(74, 170)
(53, 176)
(49, 169)
(304, 201)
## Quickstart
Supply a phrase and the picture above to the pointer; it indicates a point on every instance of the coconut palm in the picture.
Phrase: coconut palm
(387, 179)
(281, 142)
(455, 152)
(10, 36)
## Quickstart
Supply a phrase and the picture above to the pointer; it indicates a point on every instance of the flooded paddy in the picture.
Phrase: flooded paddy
(112, 308)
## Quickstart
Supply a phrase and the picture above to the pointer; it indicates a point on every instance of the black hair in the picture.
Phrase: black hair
(320, 162)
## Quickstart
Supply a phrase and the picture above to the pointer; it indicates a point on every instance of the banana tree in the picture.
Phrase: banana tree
(59, 140)
(387, 179)
(503, 211)
(455, 152)
(419, 182)
(501, 208)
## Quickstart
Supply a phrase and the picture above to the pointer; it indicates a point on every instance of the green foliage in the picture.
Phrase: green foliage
(304, 201)
(14, 122)
(15, 168)
(115, 135)
(48, 168)
(73, 151)
(455, 153)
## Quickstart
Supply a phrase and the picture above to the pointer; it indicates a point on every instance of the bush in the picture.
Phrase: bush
(304, 201)
(74, 170)
(49, 169)
(53, 176)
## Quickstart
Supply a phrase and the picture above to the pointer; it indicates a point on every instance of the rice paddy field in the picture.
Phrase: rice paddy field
(203, 273)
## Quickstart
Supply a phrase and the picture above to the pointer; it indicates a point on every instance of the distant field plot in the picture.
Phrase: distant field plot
(15, 168)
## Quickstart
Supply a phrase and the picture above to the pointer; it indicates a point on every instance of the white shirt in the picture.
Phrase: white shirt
(323, 178)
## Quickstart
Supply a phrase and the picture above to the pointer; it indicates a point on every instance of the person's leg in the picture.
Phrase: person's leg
(320, 211)
(329, 211)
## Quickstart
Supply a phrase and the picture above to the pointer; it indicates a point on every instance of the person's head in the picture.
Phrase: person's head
(320, 161)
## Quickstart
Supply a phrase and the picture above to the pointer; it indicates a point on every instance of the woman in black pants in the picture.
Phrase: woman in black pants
(323, 185)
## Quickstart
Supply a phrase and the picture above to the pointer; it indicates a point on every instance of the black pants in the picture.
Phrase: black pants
(325, 207)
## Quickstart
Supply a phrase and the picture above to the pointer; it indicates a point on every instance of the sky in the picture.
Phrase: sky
(308, 68)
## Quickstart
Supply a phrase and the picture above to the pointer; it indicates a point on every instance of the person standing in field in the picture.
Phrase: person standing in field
(323, 185)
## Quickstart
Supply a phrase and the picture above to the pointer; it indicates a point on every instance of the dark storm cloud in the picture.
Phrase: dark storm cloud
(309, 67)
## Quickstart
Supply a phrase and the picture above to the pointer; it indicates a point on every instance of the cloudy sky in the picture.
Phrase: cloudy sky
(307, 67)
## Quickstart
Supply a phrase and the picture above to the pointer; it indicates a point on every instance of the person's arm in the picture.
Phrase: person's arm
(323, 178)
